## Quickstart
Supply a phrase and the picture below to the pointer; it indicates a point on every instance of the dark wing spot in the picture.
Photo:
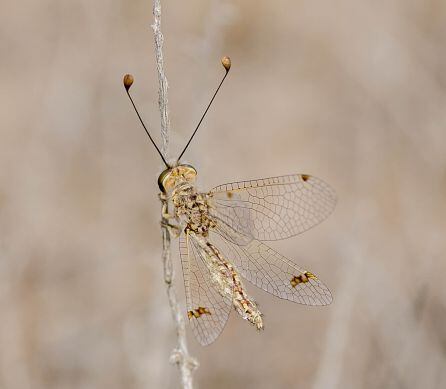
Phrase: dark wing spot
(304, 277)
(203, 310)
(295, 281)
(310, 275)
(229, 194)
(198, 312)
(305, 177)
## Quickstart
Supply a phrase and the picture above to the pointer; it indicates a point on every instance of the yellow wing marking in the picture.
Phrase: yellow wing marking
(198, 312)
(304, 277)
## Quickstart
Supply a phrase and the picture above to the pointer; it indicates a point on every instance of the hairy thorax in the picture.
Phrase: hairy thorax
(193, 208)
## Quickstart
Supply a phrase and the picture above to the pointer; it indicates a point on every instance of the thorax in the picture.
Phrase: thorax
(192, 207)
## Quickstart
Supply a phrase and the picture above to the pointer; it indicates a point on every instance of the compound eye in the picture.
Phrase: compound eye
(164, 180)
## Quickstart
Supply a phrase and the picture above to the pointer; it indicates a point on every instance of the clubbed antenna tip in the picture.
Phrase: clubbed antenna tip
(226, 62)
(128, 81)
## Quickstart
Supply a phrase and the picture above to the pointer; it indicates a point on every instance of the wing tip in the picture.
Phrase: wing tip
(325, 299)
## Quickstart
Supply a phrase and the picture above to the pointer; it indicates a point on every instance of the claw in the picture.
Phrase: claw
(173, 229)
(167, 215)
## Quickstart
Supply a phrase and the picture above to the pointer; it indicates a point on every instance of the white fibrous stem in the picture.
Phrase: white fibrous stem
(163, 84)
(180, 355)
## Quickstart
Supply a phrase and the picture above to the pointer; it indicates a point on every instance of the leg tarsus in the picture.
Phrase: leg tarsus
(165, 212)
(166, 216)
(175, 230)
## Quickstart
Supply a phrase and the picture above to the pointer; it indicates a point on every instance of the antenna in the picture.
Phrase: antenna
(128, 81)
(226, 62)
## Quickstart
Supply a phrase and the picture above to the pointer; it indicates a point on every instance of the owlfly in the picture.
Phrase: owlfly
(222, 234)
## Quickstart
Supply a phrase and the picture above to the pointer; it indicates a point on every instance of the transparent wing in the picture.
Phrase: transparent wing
(273, 208)
(207, 310)
(269, 270)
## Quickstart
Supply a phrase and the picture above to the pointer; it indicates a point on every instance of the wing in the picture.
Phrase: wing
(269, 270)
(207, 310)
(273, 208)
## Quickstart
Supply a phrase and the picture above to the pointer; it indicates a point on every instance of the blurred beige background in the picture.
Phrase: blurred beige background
(351, 91)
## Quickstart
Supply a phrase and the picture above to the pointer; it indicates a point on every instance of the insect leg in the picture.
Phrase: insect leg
(164, 209)
(174, 229)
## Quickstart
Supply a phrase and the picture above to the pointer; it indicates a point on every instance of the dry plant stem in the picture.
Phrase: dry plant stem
(163, 85)
(180, 355)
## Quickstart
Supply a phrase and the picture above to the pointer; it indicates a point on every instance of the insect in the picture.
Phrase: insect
(222, 234)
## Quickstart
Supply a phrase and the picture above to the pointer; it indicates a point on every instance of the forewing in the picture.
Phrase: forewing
(271, 271)
(208, 311)
(273, 208)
